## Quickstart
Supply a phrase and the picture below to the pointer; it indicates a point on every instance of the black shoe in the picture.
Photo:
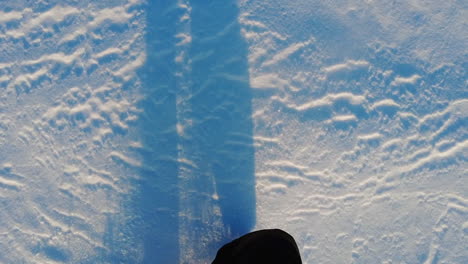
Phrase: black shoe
(272, 246)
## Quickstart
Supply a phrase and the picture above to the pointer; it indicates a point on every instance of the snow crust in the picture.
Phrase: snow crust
(155, 131)
(366, 154)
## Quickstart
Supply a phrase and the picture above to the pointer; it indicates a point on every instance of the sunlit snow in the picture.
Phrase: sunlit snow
(152, 131)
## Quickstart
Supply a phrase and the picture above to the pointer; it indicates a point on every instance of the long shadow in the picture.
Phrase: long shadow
(222, 102)
(197, 190)
(154, 226)
(221, 132)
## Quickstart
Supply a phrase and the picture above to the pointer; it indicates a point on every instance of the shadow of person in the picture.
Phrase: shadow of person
(196, 186)
(220, 145)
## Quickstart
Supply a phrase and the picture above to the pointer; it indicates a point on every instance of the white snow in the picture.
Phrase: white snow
(349, 65)
(359, 128)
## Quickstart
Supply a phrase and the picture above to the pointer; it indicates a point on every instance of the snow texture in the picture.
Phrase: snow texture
(155, 131)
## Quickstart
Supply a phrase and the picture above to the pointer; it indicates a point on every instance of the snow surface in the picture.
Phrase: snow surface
(155, 131)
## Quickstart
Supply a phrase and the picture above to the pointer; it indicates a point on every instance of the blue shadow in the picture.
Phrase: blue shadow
(219, 141)
(222, 103)
(221, 134)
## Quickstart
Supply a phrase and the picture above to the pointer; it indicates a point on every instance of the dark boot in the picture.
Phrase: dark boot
(272, 246)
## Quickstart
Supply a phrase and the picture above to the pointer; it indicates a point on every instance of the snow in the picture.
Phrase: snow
(136, 131)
